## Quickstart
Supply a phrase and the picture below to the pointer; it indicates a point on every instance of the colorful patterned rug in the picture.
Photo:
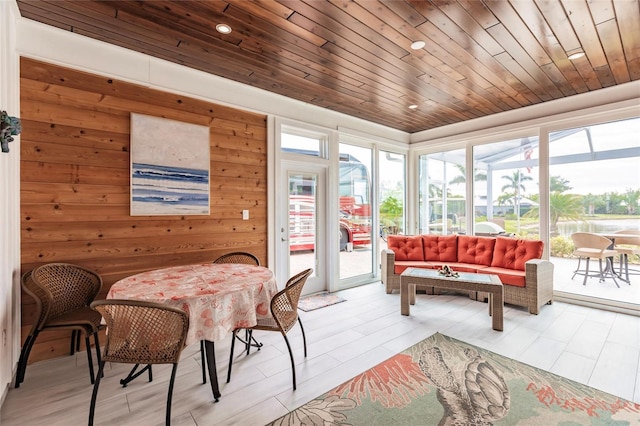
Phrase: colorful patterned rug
(317, 301)
(448, 382)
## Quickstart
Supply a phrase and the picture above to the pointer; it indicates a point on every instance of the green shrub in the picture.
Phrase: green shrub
(561, 246)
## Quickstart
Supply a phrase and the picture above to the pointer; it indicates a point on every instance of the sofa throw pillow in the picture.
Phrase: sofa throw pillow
(513, 253)
(477, 250)
(406, 247)
(441, 248)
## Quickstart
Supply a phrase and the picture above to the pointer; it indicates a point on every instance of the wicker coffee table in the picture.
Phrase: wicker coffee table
(421, 277)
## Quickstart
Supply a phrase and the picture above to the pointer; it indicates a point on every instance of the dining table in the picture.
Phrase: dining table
(218, 298)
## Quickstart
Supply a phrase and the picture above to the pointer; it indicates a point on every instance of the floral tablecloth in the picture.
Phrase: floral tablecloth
(218, 297)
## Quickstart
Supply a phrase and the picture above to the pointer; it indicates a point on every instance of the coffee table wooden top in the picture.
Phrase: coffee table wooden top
(470, 277)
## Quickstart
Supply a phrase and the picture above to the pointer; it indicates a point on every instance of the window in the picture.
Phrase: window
(442, 192)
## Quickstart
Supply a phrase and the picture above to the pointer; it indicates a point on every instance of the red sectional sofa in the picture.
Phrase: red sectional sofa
(527, 279)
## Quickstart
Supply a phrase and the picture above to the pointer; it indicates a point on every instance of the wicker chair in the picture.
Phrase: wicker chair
(284, 314)
(238, 257)
(593, 246)
(62, 293)
(140, 332)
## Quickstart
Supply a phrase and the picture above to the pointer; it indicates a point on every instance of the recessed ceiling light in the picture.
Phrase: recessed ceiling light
(223, 28)
(417, 45)
(414, 106)
(576, 55)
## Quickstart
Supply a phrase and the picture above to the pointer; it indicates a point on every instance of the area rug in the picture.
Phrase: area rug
(443, 381)
(317, 301)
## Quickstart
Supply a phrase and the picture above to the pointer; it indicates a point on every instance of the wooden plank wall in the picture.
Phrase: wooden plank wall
(75, 182)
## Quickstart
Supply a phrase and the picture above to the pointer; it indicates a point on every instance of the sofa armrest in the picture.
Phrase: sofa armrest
(539, 283)
(389, 278)
(387, 264)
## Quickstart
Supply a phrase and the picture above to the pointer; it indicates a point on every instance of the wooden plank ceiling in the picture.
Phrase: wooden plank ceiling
(480, 58)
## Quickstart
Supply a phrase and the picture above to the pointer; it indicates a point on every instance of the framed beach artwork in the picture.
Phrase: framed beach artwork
(169, 167)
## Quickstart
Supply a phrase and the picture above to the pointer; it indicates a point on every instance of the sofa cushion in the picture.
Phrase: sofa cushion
(512, 253)
(459, 267)
(400, 266)
(442, 248)
(406, 247)
(507, 276)
(476, 250)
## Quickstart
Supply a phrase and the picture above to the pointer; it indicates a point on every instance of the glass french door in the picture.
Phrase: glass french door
(302, 220)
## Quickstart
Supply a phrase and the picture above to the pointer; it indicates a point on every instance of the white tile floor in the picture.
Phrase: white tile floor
(599, 348)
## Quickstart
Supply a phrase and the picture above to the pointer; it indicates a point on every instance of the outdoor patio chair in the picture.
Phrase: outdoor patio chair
(284, 315)
(141, 332)
(62, 293)
(593, 246)
(626, 247)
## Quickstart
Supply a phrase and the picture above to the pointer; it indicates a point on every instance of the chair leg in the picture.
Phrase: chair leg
(626, 268)
(601, 270)
(233, 344)
(23, 354)
(609, 261)
(24, 357)
(72, 346)
(577, 269)
(293, 364)
(98, 354)
(202, 362)
(87, 341)
(304, 338)
(170, 394)
(94, 395)
(586, 273)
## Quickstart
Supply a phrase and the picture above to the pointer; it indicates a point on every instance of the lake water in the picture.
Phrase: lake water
(596, 226)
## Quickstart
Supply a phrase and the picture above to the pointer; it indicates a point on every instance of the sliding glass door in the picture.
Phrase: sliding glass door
(595, 187)
(355, 197)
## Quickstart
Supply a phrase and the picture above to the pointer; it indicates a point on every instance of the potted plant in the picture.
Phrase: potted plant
(9, 127)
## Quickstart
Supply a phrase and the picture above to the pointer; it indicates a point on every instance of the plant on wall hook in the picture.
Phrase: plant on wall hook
(9, 126)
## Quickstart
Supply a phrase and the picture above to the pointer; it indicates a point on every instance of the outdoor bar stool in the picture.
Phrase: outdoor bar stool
(592, 246)
(627, 246)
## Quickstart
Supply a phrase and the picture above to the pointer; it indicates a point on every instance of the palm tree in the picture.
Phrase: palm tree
(565, 206)
(591, 201)
(517, 187)
(559, 184)
(515, 182)
(631, 198)
(480, 175)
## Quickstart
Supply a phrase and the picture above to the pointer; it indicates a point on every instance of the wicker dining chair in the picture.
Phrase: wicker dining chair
(238, 257)
(141, 332)
(593, 246)
(284, 315)
(62, 293)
